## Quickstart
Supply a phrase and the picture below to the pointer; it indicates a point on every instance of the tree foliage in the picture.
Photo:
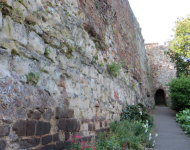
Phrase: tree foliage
(179, 49)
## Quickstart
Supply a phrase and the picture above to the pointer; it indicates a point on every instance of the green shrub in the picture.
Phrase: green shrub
(132, 112)
(180, 93)
(114, 68)
(183, 117)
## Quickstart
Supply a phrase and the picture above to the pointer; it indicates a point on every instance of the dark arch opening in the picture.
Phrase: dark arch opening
(160, 97)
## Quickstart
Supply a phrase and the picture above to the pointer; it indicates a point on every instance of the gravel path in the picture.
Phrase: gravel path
(170, 134)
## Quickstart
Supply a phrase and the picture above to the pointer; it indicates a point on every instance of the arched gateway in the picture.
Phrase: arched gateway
(160, 97)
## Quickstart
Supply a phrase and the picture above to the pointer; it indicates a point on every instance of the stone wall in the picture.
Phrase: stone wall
(161, 70)
(52, 84)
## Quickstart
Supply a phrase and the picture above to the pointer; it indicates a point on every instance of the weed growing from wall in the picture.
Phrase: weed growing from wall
(47, 51)
(114, 68)
(94, 59)
(35, 77)
(96, 4)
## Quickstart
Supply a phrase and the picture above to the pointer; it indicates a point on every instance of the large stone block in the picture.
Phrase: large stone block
(14, 31)
(28, 143)
(43, 128)
(3, 144)
(69, 125)
(24, 128)
(4, 130)
(46, 139)
(63, 112)
(62, 124)
(56, 137)
(62, 145)
(47, 147)
(36, 43)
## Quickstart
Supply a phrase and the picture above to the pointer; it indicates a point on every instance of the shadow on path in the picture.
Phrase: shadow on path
(170, 134)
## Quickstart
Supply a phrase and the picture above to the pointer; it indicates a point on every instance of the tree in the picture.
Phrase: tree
(179, 49)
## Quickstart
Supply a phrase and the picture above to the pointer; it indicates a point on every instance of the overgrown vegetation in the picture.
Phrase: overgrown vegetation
(179, 93)
(96, 4)
(183, 117)
(101, 64)
(133, 131)
(35, 77)
(47, 51)
(94, 59)
(114, 68)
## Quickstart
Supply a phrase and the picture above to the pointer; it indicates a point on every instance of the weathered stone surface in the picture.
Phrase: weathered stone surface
(87, 138)
(71, 125)
(61, 112)
(13, 137)
(46, 139)
(4, 130)
(30, 19)
(48, 147)
(50, 53)
(67, 135)
(20, 113)
(30, 128)
(1, 20)
(7, 120)
(56, 137)
(3, 144)
(14, 31)
(42, 128)
(28, 143)
(54, 42)
(61, 145)
(20, 127)
(70, 113)
(1, 112)
(37, 29)
(39, 99)
(91, 127)
(36, 43)
(21, 70)
(4, 59)
(62, 124)
(4, 73)
(24, 128)
(48, 114)
(34, 114)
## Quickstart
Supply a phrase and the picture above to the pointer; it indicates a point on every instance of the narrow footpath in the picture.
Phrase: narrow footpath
(170, 134)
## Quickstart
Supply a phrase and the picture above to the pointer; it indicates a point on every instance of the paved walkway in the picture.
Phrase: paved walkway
(170, 134)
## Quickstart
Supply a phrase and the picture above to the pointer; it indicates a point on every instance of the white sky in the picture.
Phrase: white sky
(157, 17)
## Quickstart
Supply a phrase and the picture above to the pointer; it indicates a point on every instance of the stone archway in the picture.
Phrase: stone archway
(160, 97)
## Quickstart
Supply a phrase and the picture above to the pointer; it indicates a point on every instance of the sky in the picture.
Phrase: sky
(157, 17)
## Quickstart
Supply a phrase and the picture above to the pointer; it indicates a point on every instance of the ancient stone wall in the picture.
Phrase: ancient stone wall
(161, 70)
(54, 81)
